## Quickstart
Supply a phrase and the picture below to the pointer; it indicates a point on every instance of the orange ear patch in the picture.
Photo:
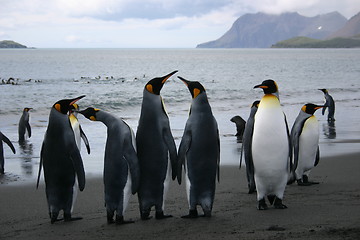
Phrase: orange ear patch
(58, 107)
(92, 118)
(196, 92)
(149, 87)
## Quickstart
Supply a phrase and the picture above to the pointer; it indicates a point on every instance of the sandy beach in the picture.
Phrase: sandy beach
(329, 210)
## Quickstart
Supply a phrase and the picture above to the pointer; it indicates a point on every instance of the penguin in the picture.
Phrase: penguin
(3, 138)
(240, 126)
(246, 147)
(121, 165)
(270, 148)
(79, 133)
(305, 143)
(329, 103)
(24, 125)
(156, 150)
(62, 162)
(199, 152)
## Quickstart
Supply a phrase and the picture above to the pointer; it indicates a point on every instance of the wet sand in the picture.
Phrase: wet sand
(329, 210)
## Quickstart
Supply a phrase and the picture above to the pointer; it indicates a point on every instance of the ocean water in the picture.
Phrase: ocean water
(113, 80)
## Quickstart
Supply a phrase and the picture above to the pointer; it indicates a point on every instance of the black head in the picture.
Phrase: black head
(324, 90)
(268, 86)
(90, 113)
(155, 85)
(65, 105)
(255, 103)
(194, 87)
(310, 108)
(27, 109)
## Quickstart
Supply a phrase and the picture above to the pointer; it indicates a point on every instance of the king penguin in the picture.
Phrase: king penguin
(330, 104)
(79, 133)
(24, 125)
(270, 148)
(3, 138)
(156, 150)
(121, 167)
(62, 161)
(305, 143)
(246, 147)
(199, 152)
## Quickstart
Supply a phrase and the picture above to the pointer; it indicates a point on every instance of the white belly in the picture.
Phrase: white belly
(167, 183)
(308, 144)
(127, 192)
(270, 151)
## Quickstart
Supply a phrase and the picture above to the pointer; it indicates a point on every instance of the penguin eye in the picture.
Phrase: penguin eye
(149, 87)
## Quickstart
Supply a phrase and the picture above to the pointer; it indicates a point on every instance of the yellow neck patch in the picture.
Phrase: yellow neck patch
(196, 92)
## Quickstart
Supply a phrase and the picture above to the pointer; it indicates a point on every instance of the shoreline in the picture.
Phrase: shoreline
(328, 210)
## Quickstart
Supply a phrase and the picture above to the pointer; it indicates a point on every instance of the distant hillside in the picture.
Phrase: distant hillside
(305, 42)
(351, 28)
(11, 44)
(262, 30)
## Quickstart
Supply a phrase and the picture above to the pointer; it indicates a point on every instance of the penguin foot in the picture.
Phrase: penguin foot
(120, 220)
(53, 217)
(278, 204)
(271, 199)
(145, 216)
(192, 214)
(302, 183)
(262, 205)
(68, 218)
(161, 215)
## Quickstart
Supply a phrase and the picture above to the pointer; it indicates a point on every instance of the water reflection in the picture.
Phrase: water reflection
(329, 130)
(26, 155)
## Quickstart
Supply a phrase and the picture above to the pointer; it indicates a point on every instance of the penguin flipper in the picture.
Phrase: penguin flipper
(40, 166)
(170, 143)
(84, 138)
(133, 163)
(183, 148)
(79, 167)
(218, 157)
(28, 128)
(9, 143)
(317, 158)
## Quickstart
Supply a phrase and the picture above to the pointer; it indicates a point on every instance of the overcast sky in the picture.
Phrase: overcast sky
(140, 23)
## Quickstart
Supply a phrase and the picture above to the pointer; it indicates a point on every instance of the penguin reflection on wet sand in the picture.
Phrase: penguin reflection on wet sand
(121, 167)
(330, 104)
(24, 125)
(62, 162)
(156, 150)
(246, 147)
(305, 143)
(199, 152)
(270, 148)
(3, 138)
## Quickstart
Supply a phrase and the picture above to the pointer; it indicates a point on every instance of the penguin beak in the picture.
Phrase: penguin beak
(184, 80)
(261, 86)
(74, 100)
(318, 107)
(166, 77)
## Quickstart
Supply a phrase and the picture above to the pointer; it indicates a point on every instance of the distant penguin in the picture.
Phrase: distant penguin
(199, 152)
(270, 148)
(3, 138)
(246, 147)
(121, 166)
(24, 125)
(62, 161)
(305, 143)
(79, 133)
(240, 126)
(156, 150)
(330, 104)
